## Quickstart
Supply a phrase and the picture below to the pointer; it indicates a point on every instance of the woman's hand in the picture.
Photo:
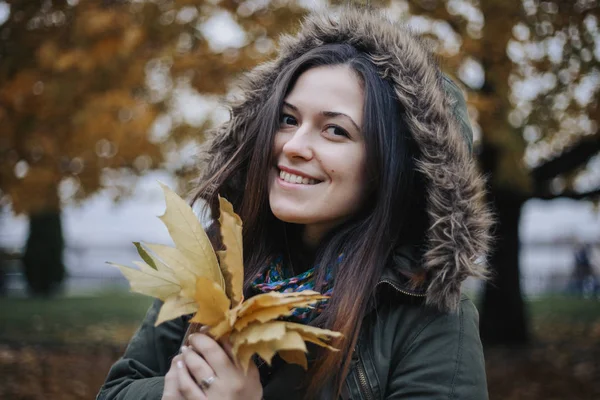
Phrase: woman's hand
(171, 389)
(206, 371)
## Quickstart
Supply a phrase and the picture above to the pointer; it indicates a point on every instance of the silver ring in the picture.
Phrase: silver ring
(205, 383)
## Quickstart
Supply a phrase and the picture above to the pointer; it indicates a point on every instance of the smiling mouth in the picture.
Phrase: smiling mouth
(297, 179)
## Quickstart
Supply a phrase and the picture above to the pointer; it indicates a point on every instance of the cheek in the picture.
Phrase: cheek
(350, 172)
(278, 142)
(359, 186)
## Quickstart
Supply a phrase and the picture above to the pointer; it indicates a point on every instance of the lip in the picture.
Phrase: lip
(299, 173)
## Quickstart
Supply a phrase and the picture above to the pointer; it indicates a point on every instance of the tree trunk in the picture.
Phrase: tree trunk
(503, 318)
(43, 258)
(3, 261)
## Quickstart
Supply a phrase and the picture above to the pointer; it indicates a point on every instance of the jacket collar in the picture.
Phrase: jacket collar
(404, 273)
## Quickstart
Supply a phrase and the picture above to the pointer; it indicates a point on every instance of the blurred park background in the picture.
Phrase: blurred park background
(99, 100)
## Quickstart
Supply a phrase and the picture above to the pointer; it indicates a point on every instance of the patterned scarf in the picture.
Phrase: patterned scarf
(278, 277)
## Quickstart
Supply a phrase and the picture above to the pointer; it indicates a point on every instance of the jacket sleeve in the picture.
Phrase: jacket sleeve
(139, 373)
(445, 360)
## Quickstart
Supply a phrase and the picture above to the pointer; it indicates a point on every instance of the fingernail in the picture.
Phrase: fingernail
(180, 364)
(191, 336)
(184, 348)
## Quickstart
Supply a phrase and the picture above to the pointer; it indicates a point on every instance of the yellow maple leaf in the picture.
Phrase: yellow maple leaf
(189, 236)
(213, 303)
(175, 306)
(148, 281)
(266, 349)
(189, 279)
(253, 326)
(272, 305)
(232, 258)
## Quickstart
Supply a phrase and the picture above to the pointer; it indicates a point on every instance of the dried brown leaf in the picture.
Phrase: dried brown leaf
(189, 236)
(175, 306)
(180, 265)
(314, 335)
(278, 299)
(212, 302)
(263, 315)
(266, 349)
(232, 259)
(149, 281)
(258, 332)
(294, 357)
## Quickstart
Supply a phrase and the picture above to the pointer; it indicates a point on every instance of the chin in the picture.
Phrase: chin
(290, 216)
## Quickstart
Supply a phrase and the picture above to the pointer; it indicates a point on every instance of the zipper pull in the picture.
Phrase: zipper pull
(355, 355)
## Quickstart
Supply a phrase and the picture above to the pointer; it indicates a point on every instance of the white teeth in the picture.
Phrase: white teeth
(291, 178)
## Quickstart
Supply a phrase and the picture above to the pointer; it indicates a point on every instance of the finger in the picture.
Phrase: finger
(196, 365)
(226, 345)
(187, 386)
(252, 373)
(172, 372)
(171, 390)
(253, 369)
(213, 353)
(204, 329)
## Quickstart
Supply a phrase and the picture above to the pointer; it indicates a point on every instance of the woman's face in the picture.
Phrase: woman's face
(318, 176)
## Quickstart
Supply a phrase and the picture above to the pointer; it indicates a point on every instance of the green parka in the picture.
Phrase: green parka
(406, 350)
(420, 340)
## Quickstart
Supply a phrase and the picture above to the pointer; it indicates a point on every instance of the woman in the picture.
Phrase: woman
(348, 159)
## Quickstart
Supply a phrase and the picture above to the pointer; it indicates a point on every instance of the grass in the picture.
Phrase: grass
(566, 309)
(113, 316)
(110, 316)
(564, 318)
(89, 333)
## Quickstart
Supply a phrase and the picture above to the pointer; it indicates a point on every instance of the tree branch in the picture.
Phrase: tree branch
(568, 195)
(567, 161)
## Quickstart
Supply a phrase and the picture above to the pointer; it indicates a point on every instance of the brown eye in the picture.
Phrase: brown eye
(287, 119)
(335, 130)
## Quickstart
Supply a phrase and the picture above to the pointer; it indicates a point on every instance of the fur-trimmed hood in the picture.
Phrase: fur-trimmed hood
(458, 238)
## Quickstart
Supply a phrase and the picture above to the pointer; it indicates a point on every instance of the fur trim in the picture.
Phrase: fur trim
(458, 238)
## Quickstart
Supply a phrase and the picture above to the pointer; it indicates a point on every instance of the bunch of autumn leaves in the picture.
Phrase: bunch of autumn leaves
(189, 278)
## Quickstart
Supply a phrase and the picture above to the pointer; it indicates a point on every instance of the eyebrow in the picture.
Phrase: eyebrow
(329, 114)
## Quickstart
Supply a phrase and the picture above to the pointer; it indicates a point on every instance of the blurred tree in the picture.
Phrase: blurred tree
(3, 260)
(533, 74)
(95, 93)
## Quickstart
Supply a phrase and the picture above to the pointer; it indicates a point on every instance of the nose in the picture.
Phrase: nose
(298, 144)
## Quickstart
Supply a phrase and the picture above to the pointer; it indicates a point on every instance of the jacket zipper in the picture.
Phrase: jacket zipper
(392, 284)
(362, 378)
(362, 375)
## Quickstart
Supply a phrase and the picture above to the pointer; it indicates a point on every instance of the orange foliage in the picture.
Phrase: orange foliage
(77, 95)
(76, 79)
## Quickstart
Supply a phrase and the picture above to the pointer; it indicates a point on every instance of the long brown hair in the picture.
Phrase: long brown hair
(393, 214)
